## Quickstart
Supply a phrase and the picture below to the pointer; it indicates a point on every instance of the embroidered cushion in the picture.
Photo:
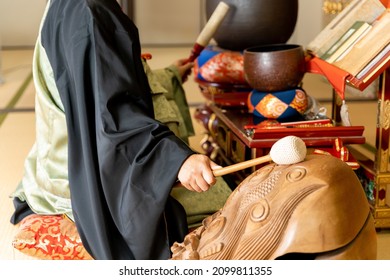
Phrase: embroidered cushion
(278, 105)
(220, 66)
(52, 237)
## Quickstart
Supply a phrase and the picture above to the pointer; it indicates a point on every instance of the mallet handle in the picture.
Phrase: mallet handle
(209, 30)
(212, 24)
(241, 165)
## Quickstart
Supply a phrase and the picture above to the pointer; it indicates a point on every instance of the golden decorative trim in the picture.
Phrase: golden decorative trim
(383, 160)
(335, 6)
(382, 223)
(210, 123)
(383, 179)
(385, 118)
(383, 214)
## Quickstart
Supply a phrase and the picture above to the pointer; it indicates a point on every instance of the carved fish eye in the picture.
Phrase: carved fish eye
(260, 211)
(296, 174)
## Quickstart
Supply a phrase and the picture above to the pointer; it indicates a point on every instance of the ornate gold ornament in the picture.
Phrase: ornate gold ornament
(334, 6)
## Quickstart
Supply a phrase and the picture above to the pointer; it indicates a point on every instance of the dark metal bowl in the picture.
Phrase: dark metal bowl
(274, 67)
(254, 22)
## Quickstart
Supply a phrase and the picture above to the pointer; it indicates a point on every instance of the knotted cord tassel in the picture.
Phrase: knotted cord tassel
(344, 114)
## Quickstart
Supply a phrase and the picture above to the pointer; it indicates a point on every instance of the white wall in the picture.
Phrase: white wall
(159, 21)
(309, 22)
(19, 21)
(168, 21)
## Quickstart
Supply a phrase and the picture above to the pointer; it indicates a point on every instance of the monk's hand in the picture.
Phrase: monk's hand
(184, 68)
(196, 173)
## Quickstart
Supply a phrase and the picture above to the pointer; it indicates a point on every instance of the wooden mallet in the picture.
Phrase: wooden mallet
(209, 30)
(287, 150)
(207, 33)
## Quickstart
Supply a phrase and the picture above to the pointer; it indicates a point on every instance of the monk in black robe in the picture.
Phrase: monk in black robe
(122, 162)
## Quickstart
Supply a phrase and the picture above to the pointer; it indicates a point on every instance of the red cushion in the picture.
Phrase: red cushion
(53, 237)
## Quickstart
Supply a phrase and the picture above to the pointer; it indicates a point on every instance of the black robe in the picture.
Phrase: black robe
(122, 162)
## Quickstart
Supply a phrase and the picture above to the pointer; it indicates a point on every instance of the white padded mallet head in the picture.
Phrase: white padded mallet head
(288, 150)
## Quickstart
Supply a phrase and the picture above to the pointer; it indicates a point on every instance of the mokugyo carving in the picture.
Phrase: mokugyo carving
(314, 209)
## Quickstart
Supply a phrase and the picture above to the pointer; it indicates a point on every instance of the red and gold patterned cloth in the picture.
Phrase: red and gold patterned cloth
(220, 66)
(278, 105)
(50, 237)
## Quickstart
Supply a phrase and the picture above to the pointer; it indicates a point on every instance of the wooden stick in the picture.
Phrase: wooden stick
(241, 165)
(209, 30)
(212, 24)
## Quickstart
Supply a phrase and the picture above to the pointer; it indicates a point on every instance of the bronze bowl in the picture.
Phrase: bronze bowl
(274, 67)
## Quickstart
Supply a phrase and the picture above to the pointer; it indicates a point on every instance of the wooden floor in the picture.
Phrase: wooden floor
(17, 126)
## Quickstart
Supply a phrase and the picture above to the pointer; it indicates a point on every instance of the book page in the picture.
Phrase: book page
(354, 40)
(368, 47)
(357, 10)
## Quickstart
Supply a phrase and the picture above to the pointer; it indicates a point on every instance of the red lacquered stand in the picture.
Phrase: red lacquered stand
(377, 171)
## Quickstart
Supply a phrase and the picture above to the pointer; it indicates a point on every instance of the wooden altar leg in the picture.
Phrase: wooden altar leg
(336, 106)
(382, 167)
